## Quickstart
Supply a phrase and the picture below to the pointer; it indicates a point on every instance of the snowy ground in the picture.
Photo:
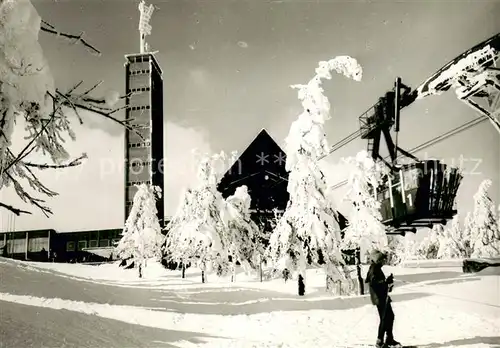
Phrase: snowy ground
(74, 305)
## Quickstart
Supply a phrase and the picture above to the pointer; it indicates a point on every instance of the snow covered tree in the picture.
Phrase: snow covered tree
(243, 233)
(455, 242)
(28, 95)
(365, 229)
(197, 233)
(464, 240)
(142, 237)
(498, 216)
(446, 246)
(396, 247)
(485, 234)
(308, 232)
(428, 248)
(410, 250)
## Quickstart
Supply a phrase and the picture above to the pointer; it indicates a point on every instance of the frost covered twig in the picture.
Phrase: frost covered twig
(73, 163)
(48, 28)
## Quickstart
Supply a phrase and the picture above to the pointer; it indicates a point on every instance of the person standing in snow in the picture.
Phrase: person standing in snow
(379, 295)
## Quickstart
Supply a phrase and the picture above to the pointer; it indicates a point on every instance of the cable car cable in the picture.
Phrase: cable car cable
(435, 140)
(341, 143)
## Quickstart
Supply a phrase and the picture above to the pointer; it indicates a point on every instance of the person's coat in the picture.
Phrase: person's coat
(375, 278)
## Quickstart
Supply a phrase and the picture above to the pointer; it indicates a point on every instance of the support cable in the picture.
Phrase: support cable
(435, 140)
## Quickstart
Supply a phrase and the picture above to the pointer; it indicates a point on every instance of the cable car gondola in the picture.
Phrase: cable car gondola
(415, 194)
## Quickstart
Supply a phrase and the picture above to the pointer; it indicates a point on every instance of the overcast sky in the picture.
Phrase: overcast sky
(227, 69)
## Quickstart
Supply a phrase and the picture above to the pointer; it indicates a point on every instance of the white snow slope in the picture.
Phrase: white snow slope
(434, 307)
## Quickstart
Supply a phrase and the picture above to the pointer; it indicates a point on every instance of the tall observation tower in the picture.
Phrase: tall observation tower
(144, 85)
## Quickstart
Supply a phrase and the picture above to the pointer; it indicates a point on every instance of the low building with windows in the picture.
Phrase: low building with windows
(59, 246)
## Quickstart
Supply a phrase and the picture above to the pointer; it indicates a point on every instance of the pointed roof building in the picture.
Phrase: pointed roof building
(261, 167)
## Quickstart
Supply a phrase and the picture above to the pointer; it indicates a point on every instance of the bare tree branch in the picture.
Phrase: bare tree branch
(91, 88)
(75, 87)
(73, 163)
(14, 210)
(48, 28)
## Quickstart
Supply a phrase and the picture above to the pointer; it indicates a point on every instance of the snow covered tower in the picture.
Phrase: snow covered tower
(144, 145)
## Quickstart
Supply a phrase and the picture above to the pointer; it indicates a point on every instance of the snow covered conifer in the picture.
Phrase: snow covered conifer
(396, 247)
(485, 234)
(456, 241)
(308, 232)
(365, 229)
(428, 248)
(197, 233)
(142, 237)
(447, 248)
(243, 233)
(498, 216)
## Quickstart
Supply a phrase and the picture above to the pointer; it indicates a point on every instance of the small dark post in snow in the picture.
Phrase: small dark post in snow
(329, 283)
(358, 270)
(260, 270)
(203, 277)
(183, 271)
(302, 285)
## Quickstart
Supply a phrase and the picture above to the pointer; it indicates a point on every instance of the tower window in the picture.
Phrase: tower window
(140, 164)
(133, 183)
(140, 72)
(147, 107)
(139, 145)
(142, 89)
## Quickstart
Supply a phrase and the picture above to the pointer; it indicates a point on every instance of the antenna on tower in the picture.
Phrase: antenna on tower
(144, 26)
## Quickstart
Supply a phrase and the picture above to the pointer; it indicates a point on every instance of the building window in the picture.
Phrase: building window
(82, 244)
(139, 145)
(142, 107)
(140, 163)
(16, 246)
(139, 72)
(133, 183)
(104, 243)
(70, 246)
(37, 244)
(142, 89)
(139, 115)
(93, 243)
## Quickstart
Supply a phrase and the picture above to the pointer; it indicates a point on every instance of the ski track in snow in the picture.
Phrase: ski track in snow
(293, 329)
(437, 320)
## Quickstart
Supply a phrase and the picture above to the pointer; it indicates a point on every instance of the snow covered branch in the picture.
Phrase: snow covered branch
(73, 163)
(365, 227)
(28, 93)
